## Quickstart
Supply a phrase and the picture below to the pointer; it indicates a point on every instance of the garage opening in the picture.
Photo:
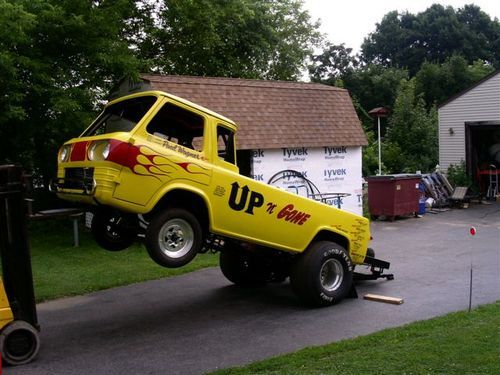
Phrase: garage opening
(482, 142)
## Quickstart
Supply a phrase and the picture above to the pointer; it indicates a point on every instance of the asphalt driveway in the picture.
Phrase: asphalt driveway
(199, 322)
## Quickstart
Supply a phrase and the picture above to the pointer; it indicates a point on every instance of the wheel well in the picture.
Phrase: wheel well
(326, 235)
(187, 200)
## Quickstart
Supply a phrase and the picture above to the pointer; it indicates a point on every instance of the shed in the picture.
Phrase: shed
(469, 128)
(307, 127)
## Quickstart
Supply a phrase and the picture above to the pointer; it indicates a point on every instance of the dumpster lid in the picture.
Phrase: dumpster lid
(400, 176)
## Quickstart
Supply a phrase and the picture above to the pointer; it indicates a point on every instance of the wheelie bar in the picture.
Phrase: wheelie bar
(377, 268)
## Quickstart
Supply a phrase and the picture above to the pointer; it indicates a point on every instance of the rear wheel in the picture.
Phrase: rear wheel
(19, 342)
(113, 230)
(174, 237)
(322, 276)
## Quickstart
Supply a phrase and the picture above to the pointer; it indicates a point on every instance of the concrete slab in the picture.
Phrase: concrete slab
(199, 322)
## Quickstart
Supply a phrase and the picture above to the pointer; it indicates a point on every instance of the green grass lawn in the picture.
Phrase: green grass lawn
(459, 343)
(59, 269)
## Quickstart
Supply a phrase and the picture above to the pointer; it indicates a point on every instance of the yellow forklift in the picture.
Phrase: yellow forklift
(19, 329)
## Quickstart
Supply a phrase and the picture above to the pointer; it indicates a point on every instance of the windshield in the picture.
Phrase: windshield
(121, 117)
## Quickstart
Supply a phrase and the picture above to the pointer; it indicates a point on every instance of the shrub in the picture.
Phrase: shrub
(457, 175)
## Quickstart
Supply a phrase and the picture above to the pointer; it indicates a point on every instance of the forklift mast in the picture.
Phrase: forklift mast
(19, 338)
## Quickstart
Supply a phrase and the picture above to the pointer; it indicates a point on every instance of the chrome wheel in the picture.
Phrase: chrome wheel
(176, 238)
(331, 275)
(112, 228)
(322, 276)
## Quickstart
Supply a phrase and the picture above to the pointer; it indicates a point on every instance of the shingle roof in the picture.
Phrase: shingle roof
(273, 114)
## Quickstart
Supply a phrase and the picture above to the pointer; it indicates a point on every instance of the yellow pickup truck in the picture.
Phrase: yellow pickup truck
(158, 167)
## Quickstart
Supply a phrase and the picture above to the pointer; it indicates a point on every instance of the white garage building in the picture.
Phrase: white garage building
(469, 128)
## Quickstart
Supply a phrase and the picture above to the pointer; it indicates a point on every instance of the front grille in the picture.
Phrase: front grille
(78, 178)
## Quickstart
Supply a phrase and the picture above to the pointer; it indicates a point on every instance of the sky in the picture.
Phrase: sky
(350, 21)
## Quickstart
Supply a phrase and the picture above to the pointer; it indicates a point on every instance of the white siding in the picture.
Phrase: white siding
(482, 103)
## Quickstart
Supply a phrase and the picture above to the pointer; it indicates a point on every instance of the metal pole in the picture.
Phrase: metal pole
(379, 149)
(76, 237)
(472, 232)
(470, 288)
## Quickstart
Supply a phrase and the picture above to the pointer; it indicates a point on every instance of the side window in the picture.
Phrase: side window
(225, 144)
(178, 125)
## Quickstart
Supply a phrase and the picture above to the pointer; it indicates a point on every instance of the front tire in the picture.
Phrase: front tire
(174, 237)
(322, 276)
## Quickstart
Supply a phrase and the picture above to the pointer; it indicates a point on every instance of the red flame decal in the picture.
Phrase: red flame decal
(135, 158)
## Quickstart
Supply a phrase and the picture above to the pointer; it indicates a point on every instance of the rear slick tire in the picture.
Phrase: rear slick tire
(322, 276)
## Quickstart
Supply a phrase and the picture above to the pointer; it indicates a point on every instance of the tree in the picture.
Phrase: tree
(444, 50)
(370, 85)
(14, 35)
(406, 41)
(393, 43)
(412, 133)
(482, 35)
(59, 58)
(268, 39)
(375, 86)
(438, 82)
(333, 65)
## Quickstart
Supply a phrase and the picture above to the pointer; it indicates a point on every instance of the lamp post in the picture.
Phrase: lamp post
(378, 113)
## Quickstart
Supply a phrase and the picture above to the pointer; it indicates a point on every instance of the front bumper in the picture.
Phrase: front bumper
(88, 185)
(75, 181)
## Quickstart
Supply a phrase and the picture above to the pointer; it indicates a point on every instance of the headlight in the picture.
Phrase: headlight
(64, 153)
(99, 150)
